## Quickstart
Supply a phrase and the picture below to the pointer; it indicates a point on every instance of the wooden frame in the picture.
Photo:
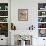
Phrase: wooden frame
(23, 14)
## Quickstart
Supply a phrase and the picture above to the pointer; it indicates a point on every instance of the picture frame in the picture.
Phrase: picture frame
(13, 27)
(23, 14)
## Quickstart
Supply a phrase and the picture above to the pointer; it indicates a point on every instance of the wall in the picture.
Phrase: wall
(32, 6)
(32, 13)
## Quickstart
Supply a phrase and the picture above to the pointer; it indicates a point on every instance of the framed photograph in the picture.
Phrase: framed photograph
(23, 14)
(13, 27)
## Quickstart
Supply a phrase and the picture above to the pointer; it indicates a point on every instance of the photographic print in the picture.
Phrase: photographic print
(23, 14)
